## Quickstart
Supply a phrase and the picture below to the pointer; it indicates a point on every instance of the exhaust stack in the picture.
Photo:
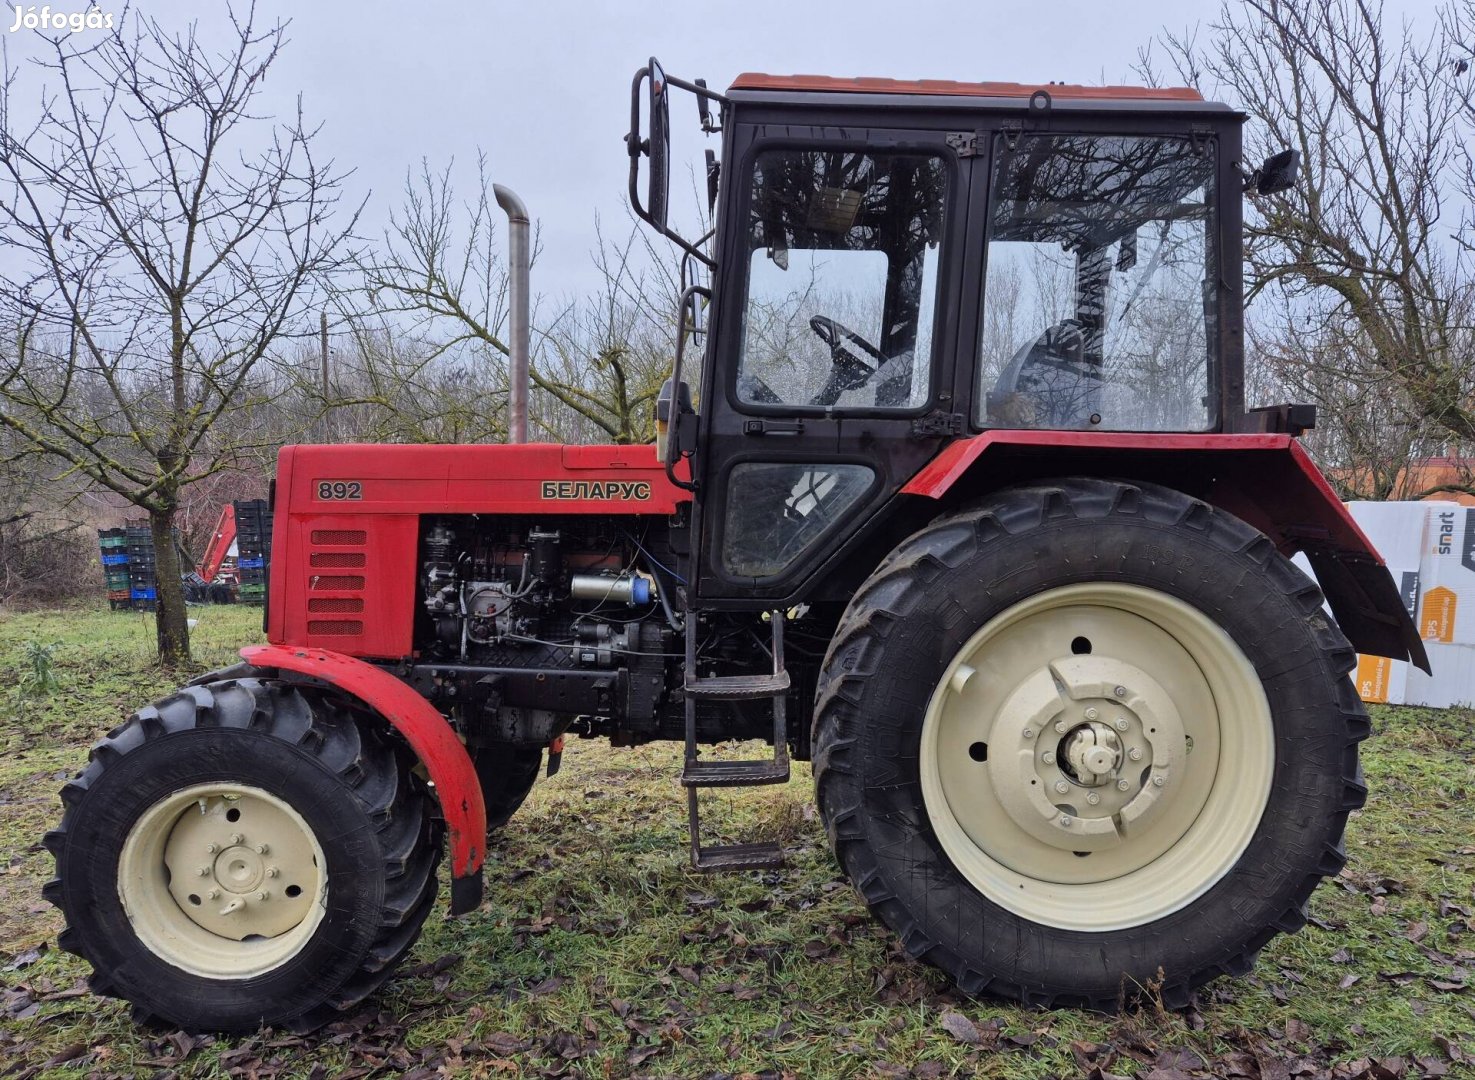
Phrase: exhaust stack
(518, 259)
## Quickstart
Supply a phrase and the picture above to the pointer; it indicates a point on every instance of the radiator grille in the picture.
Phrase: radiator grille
(337, 560)
(339, 537)
(322, 610)
(336, 582)
(335, 605)
(335, 627)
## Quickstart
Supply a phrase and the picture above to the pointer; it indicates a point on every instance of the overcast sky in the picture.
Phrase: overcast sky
(543, 86)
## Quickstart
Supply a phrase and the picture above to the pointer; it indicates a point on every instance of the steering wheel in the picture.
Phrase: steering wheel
(847, 371)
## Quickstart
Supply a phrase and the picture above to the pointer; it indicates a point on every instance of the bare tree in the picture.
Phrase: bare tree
(164, 239)
(1365, 248)
(598, 362)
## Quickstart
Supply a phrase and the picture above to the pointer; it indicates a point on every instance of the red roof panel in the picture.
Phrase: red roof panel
(753, 80)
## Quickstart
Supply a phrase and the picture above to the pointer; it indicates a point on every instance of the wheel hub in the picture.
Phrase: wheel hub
(1092, 754)
(1097, 741)
(240, 866)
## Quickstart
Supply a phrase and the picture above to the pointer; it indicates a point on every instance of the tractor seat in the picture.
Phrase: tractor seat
(1049, 383)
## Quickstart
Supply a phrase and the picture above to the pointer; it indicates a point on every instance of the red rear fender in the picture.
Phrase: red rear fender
(1267, 480)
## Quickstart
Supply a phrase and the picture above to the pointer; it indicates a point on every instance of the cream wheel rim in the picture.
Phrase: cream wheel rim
(225, 881)
(1097, 756)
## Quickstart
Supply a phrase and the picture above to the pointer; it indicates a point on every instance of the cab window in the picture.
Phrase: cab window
(842, 279)
(1100, 302)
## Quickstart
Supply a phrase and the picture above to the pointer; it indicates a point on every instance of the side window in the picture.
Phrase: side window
(775, 510)
(842, 279)
(1100, 300)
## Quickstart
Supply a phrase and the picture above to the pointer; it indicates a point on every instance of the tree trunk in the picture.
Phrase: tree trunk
(171, 620)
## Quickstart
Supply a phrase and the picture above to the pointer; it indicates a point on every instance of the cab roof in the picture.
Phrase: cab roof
(785, 86)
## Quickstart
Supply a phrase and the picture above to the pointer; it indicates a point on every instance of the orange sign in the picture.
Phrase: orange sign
(1372, 678)
(1437, 620)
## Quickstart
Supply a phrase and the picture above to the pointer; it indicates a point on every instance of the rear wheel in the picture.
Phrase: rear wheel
(507, 774)
(1085, 738)
(244, 853)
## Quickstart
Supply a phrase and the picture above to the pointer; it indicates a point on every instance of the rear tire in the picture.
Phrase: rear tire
(507, 774)
(975, 645)
(243, 854)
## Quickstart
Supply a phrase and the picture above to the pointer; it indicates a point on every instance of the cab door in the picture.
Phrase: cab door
(830, 376)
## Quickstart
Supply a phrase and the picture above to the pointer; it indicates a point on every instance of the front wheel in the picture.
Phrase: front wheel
(244, 853)
(1086, 738)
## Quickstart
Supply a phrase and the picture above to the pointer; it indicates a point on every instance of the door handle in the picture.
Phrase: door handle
(773, 427)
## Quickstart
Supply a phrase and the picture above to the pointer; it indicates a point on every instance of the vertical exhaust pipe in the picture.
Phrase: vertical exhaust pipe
(518, 258)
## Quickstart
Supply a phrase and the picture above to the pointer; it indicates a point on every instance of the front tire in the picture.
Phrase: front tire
(241, 854)
(1085, 738)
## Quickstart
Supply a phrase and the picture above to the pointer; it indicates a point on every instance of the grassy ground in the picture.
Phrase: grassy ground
(598, 953)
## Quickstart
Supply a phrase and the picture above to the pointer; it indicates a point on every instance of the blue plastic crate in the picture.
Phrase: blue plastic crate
(145, 594)
(115, 560)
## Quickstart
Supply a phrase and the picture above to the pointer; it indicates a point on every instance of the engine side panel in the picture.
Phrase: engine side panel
(344, 566)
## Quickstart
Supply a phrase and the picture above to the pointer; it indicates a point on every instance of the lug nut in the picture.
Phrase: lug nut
(212, 848)
(1159, 781)
(1122, 785)
(1066, 821)
(1120, 691)
(262, 849)
(1061, 786)
(236, 838)
(1121, 723)
(213, 894)
(1092, 714)
(1092, 798)
(272, 871)
(202, 871)
(1047, 756)
(1029, 733)
(263, 895)
(1061, 727)
(1135, 754)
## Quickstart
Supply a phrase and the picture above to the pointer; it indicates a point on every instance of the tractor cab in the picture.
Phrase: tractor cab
(895, 265)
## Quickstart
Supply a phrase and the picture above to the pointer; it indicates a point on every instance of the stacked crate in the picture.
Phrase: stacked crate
(253, 548)
(113, 544)
(143, 580)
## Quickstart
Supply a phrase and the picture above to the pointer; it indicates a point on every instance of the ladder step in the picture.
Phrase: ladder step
(738, 687)
(739, 857)
(735, 773)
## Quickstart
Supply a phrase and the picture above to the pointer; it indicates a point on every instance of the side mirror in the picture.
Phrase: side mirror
(659, 146)
(704, 108)
(673, 405)
(714, 173)
(1277, 174)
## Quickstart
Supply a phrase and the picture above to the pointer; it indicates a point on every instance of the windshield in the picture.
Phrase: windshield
(842, 279)
(1099, 302)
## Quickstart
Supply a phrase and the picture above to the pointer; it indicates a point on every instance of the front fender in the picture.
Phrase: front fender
(1268, 480)
(429, 735)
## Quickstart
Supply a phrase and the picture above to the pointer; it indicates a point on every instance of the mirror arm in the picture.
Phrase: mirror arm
(700, 89)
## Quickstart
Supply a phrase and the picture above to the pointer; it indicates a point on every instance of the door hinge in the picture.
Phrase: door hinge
(966, 143)
(938, 423)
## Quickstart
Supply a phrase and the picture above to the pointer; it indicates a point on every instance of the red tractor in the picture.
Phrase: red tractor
(970, 512)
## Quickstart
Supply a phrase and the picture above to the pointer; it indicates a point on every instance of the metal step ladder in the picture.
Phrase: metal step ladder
(697, 774)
